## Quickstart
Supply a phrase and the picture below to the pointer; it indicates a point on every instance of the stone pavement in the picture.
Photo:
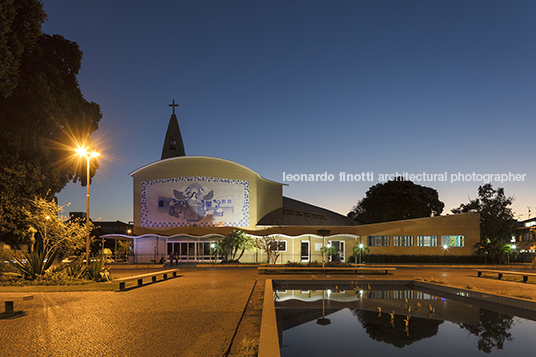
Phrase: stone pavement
(195, 314)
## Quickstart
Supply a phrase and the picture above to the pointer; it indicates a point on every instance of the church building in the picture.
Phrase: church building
(183, 204)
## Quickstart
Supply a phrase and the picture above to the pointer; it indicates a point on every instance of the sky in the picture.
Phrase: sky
(442, 90)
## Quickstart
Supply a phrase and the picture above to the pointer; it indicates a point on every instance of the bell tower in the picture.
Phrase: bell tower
(173, 145)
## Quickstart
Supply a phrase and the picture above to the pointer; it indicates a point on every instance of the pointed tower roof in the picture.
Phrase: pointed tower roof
(173, 145)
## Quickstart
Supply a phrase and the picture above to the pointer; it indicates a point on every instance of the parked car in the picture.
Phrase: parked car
(68, 260)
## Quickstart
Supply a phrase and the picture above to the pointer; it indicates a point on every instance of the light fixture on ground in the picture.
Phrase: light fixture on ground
(88, 155)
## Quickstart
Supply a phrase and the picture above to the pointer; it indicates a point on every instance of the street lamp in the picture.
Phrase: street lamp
(46, 220)
(88, 155)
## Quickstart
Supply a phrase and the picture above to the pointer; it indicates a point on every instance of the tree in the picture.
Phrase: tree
(55, 232)
(20, 27)
(329, 250)
(56, 235)
(43, 114)
(397, 200)
(497, 223)
(232, 244)
(359, 249)
(269, 244)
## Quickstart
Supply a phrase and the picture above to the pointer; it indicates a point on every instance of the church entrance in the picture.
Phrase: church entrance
(339, 247)
(190, 250)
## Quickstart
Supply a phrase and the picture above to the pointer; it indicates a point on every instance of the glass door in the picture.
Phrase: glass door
(304, 251)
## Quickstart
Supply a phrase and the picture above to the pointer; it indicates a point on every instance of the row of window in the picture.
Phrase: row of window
(409, 241)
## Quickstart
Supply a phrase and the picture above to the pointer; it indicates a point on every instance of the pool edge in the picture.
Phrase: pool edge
(269, 339)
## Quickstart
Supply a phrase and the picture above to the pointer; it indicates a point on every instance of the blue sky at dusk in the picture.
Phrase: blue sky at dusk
(308, 87)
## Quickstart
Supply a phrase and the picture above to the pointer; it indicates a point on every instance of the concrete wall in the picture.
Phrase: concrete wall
(149, 248)
(264, 195)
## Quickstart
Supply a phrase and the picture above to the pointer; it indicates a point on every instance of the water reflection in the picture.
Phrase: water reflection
(492, 330)
(395, 332)
(395, 318)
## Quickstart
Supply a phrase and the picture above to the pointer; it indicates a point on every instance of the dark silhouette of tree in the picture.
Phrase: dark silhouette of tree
(20, 27)
(381, 330)
(43, 114)
(397, 200)
(492, 330)
(496, 219)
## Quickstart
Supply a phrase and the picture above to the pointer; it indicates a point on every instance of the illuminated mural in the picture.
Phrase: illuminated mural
(194, 201)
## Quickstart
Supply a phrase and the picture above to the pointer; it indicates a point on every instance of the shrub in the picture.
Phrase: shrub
(35, 263)
(422, 259)
(76, 269)
(97, 271)
(293, 264)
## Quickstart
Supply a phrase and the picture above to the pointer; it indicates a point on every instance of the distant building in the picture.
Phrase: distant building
(526, 236)
(184, 203)
(77, 215)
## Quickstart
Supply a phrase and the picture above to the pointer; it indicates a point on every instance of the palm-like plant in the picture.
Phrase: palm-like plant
(76, 269)
(35, 263)
(97, 271)
(359, 249)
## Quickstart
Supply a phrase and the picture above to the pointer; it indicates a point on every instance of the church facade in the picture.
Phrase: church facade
(183, 204)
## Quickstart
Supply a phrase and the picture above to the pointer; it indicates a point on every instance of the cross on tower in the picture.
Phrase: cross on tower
(173, 106)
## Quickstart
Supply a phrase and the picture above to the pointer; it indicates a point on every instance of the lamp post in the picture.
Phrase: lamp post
(88, 155)
(46, 220)
(323, 233)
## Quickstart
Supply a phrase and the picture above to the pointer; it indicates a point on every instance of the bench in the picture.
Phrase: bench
(10, 299)
(506, 272)
(139, 278)
(310, 270)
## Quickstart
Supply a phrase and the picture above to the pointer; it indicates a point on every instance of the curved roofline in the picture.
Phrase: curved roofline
(202, 157)
(149, 235)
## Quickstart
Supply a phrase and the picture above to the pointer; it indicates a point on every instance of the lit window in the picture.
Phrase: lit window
(426, 241)
(402, 241)
(378, 241)
(453, 241)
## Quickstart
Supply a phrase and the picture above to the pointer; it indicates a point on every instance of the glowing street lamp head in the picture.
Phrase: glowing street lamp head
(82, 151)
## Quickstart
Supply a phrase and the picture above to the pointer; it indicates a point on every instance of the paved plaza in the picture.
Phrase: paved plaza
(195, 314)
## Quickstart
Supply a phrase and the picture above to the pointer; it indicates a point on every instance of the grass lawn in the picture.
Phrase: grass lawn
(108, 286)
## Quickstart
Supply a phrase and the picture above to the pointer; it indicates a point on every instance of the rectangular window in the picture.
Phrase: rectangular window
(402, 294)
(426, 241)
(453, 241)
(380, 294)
(280, 245)
(378, 241)
(425, 296)
(402, 241)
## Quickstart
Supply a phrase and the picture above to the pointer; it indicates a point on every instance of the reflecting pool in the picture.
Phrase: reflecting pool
(395, 321)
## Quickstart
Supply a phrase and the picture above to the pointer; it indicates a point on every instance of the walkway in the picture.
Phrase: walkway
(192, 315)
